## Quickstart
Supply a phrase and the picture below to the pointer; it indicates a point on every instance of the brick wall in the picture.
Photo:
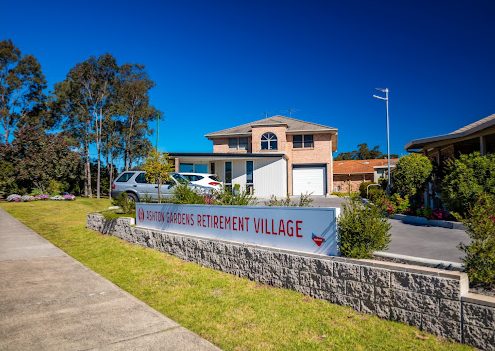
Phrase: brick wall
(433, 300)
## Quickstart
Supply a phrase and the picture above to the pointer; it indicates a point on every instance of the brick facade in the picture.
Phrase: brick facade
(319, 154)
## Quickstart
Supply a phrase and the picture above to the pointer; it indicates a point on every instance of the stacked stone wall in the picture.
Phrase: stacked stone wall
(433, 300)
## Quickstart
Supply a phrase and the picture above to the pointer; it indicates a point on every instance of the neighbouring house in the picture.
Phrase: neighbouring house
(477, 136)
(277, 156)
(349, 174)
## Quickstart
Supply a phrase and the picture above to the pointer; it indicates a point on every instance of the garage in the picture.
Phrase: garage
(308, 179)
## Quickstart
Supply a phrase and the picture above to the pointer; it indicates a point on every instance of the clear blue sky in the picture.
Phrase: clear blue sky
(218, 64)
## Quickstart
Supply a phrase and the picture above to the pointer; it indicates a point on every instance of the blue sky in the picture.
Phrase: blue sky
(218, 64)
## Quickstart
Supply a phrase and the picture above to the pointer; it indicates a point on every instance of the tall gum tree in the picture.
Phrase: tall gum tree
(135, 111)
(87, 92)
(22, 86)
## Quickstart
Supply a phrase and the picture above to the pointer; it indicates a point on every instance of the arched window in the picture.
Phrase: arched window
(269, 141)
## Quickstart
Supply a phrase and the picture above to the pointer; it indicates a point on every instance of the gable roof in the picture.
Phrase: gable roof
(467, 130)
(292, 124)
(360, 166)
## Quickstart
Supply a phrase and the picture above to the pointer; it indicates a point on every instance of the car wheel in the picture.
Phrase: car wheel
(133, 197)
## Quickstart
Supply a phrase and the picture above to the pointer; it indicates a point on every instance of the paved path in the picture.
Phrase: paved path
(49, 301)
(426, 242)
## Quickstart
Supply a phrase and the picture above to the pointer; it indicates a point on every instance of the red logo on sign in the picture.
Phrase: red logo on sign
(141, 214)
(317, 239)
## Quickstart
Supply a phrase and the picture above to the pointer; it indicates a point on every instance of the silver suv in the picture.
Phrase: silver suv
(136, 186)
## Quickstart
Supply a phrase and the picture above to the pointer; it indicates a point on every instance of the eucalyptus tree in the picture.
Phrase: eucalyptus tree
(132, 104)
(88, 92)
(22, 86)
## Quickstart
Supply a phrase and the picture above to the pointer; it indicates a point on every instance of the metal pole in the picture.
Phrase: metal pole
(389, 178)
(389, 188)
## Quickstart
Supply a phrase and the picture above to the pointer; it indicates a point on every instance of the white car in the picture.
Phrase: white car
(203, 179)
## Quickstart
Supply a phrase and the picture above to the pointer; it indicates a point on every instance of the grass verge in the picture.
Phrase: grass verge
(233, 313)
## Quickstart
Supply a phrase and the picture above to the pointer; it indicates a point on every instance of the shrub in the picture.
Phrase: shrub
(385, 205)
(55, 187)
(183, 194)
(364, 186)
(362, 229)
(227, 197)
(411, 174)
(14, 198)
(466, 179)
(42, 197)
(127, 206)
(401, 204)
(57, 198)
(36, 192)
(479, 260)
(27, 198)
(305, 200)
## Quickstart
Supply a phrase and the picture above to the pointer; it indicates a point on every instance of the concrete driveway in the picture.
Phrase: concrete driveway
(417, 241)
(49, 301)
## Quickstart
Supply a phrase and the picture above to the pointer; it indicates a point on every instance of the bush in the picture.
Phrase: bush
(411, 174)
(186, 195)
(127, 206)
(226, 197)
(363, 186)
(466, 179)
(14, 198)
(55, 187)
(401, 204)
(362, 230)
(479, 260)
(183, 194)
(305, 200)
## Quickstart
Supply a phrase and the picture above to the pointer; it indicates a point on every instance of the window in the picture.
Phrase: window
(238, 143)
(125, 177)
(141, 178)
(212, 167)
(249, 176)
(193, 168)
(228, 175)
(186, 167)
(302, 141)
(269, 141)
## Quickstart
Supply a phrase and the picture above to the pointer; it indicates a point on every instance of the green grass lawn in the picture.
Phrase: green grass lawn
(233, 313)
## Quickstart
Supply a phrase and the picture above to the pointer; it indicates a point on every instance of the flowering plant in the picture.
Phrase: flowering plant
(26, 198)
(57, 197)
(42, 197)
(440, 214)
(14, 198)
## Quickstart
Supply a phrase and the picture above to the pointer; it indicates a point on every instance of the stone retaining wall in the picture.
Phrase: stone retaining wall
(436, 301)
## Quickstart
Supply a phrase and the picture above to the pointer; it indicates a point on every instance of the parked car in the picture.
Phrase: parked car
(136, 186)
(203, 179)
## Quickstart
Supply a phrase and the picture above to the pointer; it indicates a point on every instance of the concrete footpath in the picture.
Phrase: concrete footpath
(49, 301)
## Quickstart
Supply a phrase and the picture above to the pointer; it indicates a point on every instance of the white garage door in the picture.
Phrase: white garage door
(308, 180)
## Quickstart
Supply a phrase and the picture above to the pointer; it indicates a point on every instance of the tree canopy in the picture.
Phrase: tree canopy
(100, 105)
(363, 152)
(22, 85)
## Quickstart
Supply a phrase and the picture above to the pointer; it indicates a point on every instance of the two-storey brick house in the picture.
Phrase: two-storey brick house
(273, 156)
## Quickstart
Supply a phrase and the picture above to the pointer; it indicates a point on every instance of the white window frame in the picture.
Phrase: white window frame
(268, 138)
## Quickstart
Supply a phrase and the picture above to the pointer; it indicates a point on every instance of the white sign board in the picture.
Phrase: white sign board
(312, 230)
